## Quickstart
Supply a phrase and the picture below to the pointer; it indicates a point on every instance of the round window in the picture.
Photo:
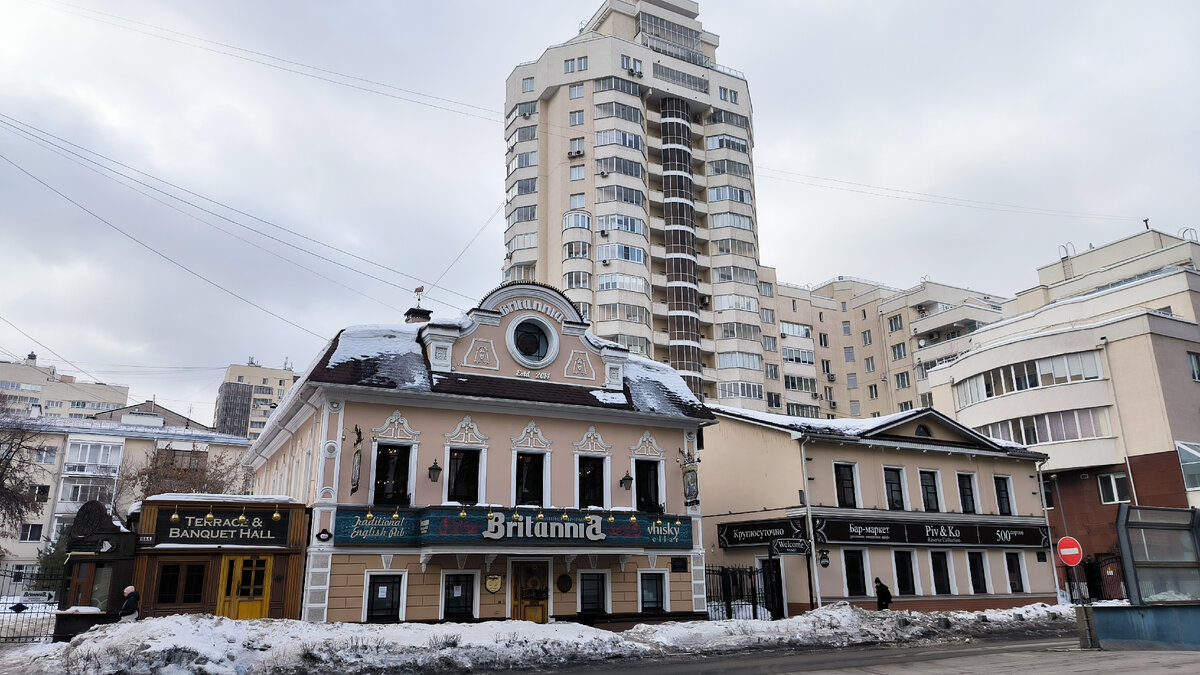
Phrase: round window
(531, 340)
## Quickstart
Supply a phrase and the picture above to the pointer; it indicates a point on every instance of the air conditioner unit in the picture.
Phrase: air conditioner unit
(604, 262)
(574, 153)
(704, 299)
(526, 115)
(830, 376)
(639, 73)
(833, 404)
(604, 174)
(632, 72)
(604, 233)
(816, 395)
(935, 336)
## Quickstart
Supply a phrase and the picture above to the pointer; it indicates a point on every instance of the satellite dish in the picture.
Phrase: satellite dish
(921, 343)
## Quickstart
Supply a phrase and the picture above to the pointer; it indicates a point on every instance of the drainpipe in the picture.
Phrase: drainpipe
(1120, 430)
(1046, 516)
(814, 581)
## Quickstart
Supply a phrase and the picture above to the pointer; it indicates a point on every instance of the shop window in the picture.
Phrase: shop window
(180, 583)
(941, 572)
(593, 592)
(459, 596)
(905, 579)
(385, 598)
(653, 591)
(977, 565)
(591, 482)
(856, 572)
(462, 483)
(893, 481)
(843, 475)
(529, 478)
(1016, 581)
(646, 484)
(391, 475)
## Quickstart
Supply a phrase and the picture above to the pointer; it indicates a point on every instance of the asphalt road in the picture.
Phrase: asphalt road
(1028, 657)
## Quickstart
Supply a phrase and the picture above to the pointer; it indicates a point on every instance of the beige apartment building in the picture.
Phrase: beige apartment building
(947, 518)
(631, 186)
(82, 460)
(1098, 366)
(25, 383)
(504, 464)
(248, 396)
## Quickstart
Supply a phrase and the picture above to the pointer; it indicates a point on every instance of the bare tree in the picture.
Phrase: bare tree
(186, 470)
(20, 473)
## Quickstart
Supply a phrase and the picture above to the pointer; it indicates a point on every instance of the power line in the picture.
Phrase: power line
(58, 150)
(159, 253)
(232, 209)
(285, 68)
(60, 356)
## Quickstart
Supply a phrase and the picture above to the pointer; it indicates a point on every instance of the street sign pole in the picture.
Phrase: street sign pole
(1071, 553)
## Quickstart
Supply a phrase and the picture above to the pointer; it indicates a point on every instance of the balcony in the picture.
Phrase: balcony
(92, 469)
(957, 317)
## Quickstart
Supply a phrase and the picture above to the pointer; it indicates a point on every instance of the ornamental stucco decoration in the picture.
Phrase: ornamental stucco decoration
(592, 442)
(647, 447)
(467, 432)
(531, 437)
(396, 426)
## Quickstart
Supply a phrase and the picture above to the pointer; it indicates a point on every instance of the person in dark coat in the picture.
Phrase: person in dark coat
(129, 609)
(883, 595)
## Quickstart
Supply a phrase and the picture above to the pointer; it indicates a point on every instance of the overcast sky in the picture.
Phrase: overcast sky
(320, 119)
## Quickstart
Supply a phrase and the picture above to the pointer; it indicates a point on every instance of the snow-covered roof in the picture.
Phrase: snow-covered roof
(874, 427)
(68, 425)
(212, 498)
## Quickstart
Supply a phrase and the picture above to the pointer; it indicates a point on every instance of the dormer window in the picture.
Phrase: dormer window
(924, 431)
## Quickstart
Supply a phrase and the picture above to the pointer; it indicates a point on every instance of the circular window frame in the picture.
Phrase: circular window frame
(552, 342)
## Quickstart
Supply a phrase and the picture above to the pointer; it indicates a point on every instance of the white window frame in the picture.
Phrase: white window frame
(367, 574)
(579, 572)
(903, 486)
(937, 482)
(607, 477)
(1012, 499)
(475, 602)
(949, 570)
(578, 172)
(527, 85)
(662, 482)
(989, 587)
(867, 576)
(412, 469)
(445, 481)
(666, 589)
(574, 89)
(1194, 362)
(916, 572)
(858, 501)
(581, 203)
(974, 491)
(546, 460)
(1024, 573)
(1116, 497)
(574, 115)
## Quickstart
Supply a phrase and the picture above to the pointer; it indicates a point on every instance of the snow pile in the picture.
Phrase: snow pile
(193, 643)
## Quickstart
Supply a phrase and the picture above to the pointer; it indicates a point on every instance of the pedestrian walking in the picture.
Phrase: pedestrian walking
(883, 595)
(129, 609)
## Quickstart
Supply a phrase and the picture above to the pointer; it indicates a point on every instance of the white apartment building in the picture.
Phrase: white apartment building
(24, 384)
(631, 187)
(1099, 367)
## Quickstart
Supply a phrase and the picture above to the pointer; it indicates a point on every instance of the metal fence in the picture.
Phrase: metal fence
(28, 599)
(1099, 578)
(744, 592)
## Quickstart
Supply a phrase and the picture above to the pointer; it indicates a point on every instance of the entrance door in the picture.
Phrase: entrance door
(772, 585)
(459, 602)
(245, 587)
(531, 592)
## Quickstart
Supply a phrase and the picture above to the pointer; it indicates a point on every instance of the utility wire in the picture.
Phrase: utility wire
(294, 233)
(159, 253)
(291, 70)
(60, 356)
(62, 152)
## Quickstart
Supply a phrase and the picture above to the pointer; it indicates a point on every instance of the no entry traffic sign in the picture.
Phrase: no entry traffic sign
(1070, 551)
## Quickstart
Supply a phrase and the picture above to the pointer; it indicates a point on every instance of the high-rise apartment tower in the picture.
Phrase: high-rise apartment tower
(630, 180)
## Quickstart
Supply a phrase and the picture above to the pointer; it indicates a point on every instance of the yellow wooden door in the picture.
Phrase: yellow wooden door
(245, 587)
(531, 592)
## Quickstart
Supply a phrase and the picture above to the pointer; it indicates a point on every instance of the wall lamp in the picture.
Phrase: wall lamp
(435, 471)
(627, 481)
(823, 557)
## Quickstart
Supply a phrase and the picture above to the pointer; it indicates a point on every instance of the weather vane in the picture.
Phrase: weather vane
(419, 290)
